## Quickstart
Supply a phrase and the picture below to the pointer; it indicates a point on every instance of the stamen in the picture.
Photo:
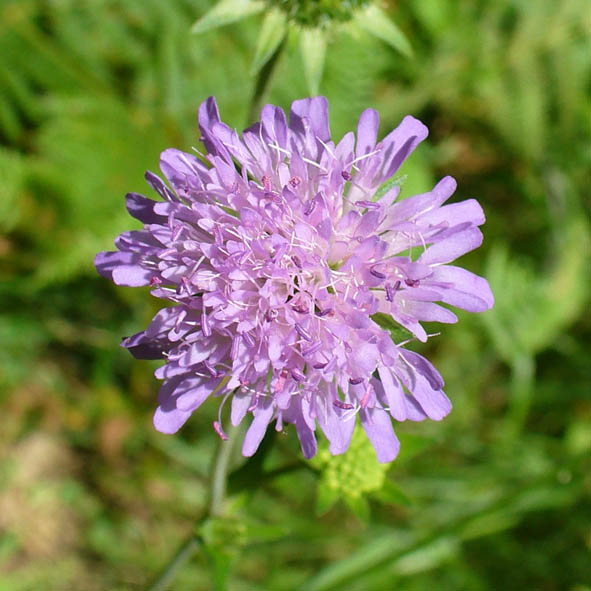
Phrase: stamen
(355, 381)
(367, 204)
(312, 349)
(248, 338)
(205, 327)
(314, 164)
(303, 332)
(297, 375)
(346, 175)
(343, 405)
(412, 282)
(325, 312)
(319, 365)
(218, 429)
(377, 273)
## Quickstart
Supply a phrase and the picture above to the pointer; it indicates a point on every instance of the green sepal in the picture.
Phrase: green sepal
(226, 12)
(392, 494)
(377, 23)
(313, 51)
(359, 506)
(326, 497)
(397, 332)
(389, 184)
(271, 35)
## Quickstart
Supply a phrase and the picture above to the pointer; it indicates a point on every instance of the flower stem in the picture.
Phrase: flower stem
(263, 83)
(219, 474)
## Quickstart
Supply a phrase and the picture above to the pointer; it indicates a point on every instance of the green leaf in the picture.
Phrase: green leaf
(12, 170)
(313, 50)
(271, 35)
(376, 22)
(226, 12)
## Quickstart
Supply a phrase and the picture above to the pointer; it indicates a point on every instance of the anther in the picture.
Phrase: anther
(355, 381)
(367, 204)
(297, 375)
(343, 405)
(377, 273)
(310, 206)
(303, 332)
(346, 175)
(218, 429)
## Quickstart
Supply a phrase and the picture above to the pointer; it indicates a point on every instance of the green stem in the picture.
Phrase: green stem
(219, 474)
(263, 83)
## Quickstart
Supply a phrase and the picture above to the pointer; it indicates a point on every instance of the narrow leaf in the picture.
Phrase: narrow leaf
(271, 35)
(226, 12)
(313, 50)
(376, 22)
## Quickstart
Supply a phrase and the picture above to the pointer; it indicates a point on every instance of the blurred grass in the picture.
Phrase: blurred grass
(92, 498)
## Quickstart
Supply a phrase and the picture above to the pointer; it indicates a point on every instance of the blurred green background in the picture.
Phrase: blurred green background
(495, 497)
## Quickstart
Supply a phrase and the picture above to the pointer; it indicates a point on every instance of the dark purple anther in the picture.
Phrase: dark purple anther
(294, 182)
(310, 206)
(355, 381)
(303, 332)
(377, 273)
(343, 405)
(324, 312)
(319, 365)
(346, 175)
(271, 314)
(299, 309)
(297, 375)
(412, 282)
(296, 261)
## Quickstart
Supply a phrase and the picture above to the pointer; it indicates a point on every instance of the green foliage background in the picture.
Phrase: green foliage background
(495, 497)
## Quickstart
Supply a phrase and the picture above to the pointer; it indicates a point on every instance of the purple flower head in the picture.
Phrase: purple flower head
(278, 249)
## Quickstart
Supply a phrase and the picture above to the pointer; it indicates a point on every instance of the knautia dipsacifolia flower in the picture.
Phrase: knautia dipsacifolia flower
(278, 249)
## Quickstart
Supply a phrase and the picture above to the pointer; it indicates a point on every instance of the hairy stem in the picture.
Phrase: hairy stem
(219, 475)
